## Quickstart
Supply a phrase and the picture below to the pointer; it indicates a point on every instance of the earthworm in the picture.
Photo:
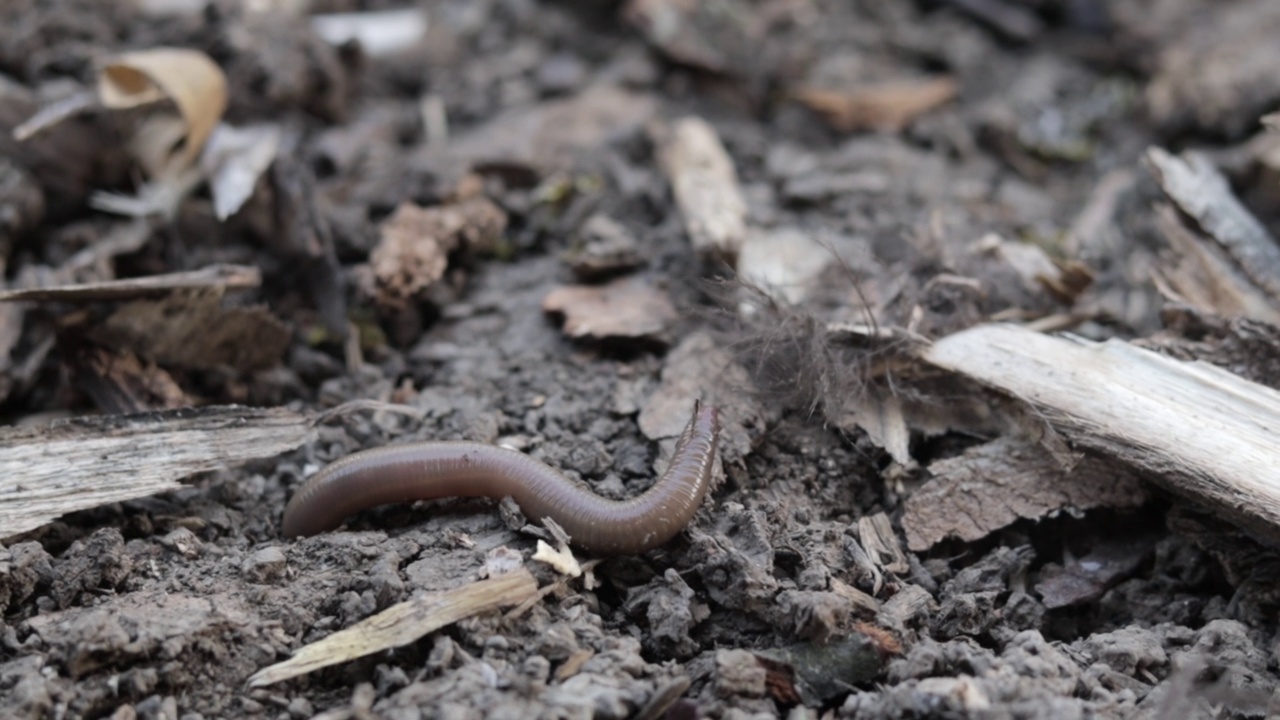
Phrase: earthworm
(430, 470)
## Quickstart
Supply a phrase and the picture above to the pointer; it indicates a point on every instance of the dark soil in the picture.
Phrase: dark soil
(162, 607)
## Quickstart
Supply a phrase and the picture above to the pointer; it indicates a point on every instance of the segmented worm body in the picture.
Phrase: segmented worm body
(430, 470)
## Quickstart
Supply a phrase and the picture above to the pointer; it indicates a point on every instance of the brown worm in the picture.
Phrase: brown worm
(425, 471)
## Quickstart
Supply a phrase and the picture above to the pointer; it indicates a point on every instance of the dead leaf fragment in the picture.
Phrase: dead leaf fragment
(550, 135)
(603, 248)
(991, 486)
(121, 384)
(628, 307)
(415, 244)
(1084, 579)
(888, 107)
(705, 184)
(194, 330)
(403, 623)
(699, 369)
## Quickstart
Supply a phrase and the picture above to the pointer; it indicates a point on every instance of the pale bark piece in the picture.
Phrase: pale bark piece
(1202, 432)
(628, 307)
(699, 369)
(379, 32)
(1202, 192)
(705, 184)
(888, 107)
(228, 277)
(880, 413)
(785, 263)
(48, 471)
(993, 485)
(403, 623)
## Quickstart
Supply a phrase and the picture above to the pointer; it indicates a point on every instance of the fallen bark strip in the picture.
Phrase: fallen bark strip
(403, 623)
(1196, 429)
(219, 277)
(70, 465)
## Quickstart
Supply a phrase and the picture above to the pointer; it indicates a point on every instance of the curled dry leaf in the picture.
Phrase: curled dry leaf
(191, 79)
(889, 106)
(993, 485)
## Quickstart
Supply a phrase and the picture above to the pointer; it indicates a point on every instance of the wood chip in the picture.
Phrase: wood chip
(1202, 432)
(402, 624)
(561, 560)
(880, 542)
(628, 307)
(888, 107)
(705, 184)
(1219, 72)
(48, 471)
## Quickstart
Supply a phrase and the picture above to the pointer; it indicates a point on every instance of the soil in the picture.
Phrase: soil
(774, 602)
